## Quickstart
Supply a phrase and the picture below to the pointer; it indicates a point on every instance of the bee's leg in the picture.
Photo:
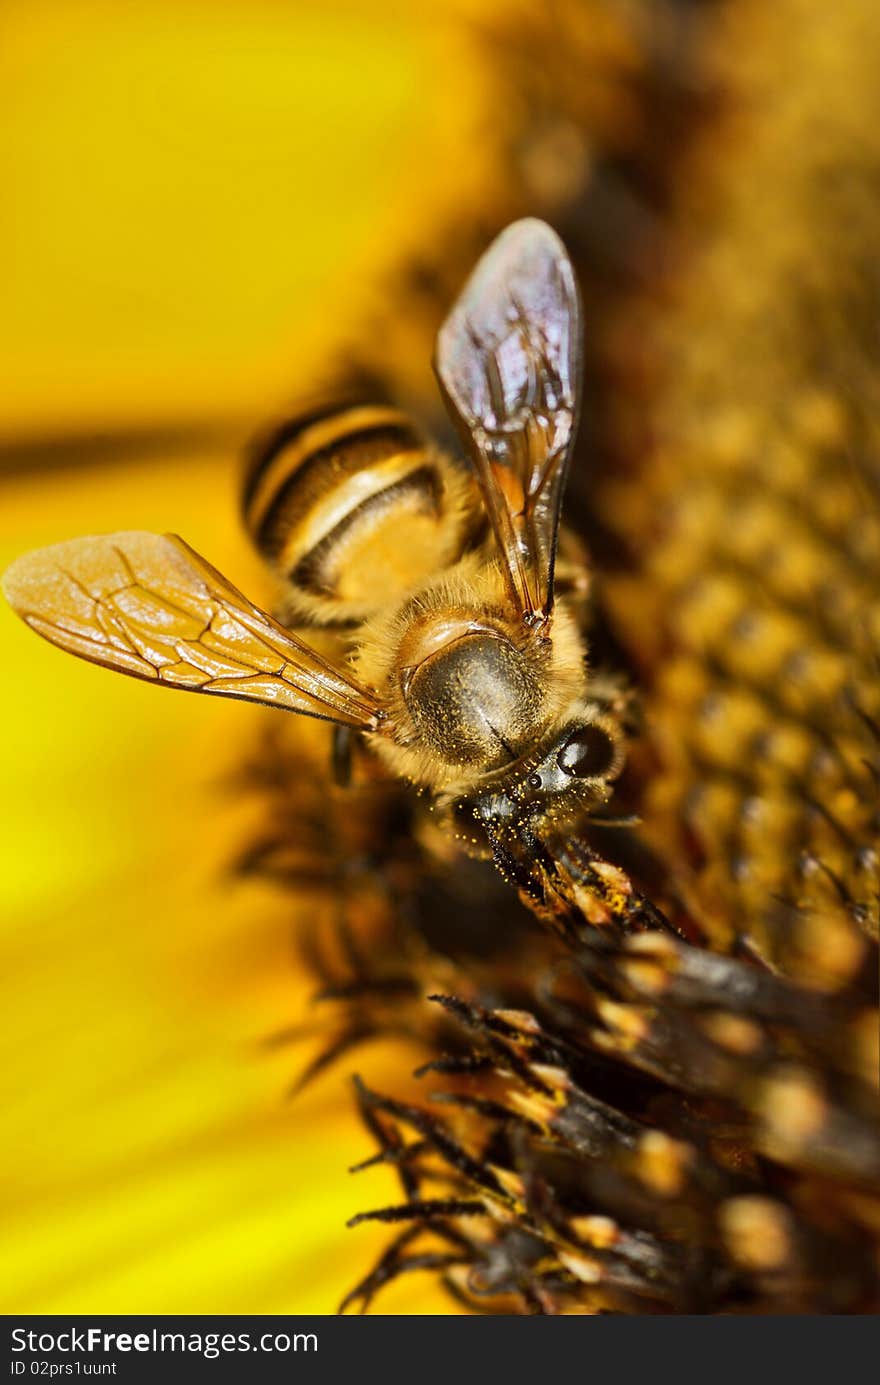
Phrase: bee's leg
(343, 742)
(522, 860)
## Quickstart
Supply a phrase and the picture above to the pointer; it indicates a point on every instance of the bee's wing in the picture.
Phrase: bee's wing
(147, 605)
(509, 362)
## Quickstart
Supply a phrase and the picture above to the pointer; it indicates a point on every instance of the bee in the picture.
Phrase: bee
(463, 674)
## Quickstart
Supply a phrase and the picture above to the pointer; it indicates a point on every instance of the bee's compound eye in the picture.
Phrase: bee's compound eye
(534, 781)
(588, 752)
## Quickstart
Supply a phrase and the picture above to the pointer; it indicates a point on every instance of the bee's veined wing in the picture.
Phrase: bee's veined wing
(509, 362)
(148, 605)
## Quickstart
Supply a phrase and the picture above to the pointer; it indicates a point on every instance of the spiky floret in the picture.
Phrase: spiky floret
(664, 1130)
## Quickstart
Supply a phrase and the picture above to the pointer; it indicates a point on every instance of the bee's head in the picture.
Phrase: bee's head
(571, 772)
(577, 766)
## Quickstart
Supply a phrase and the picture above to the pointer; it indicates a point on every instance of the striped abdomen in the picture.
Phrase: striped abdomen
(353, 509)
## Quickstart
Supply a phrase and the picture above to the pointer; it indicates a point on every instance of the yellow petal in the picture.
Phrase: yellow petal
(201, 195)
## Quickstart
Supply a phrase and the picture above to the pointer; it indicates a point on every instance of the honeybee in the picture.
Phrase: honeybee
(463, 674)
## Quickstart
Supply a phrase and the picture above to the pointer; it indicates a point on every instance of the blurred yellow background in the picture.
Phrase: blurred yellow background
(197, 200)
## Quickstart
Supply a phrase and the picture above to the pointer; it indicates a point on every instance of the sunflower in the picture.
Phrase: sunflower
(660, 1095)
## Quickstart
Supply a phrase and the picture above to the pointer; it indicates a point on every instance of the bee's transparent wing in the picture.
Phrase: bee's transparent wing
(509, 361)
(148, 605)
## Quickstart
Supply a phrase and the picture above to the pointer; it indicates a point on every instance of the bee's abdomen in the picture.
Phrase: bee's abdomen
(352, 508)
(324, 469)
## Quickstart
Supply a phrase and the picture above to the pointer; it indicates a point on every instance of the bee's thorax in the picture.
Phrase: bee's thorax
(476, 700)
